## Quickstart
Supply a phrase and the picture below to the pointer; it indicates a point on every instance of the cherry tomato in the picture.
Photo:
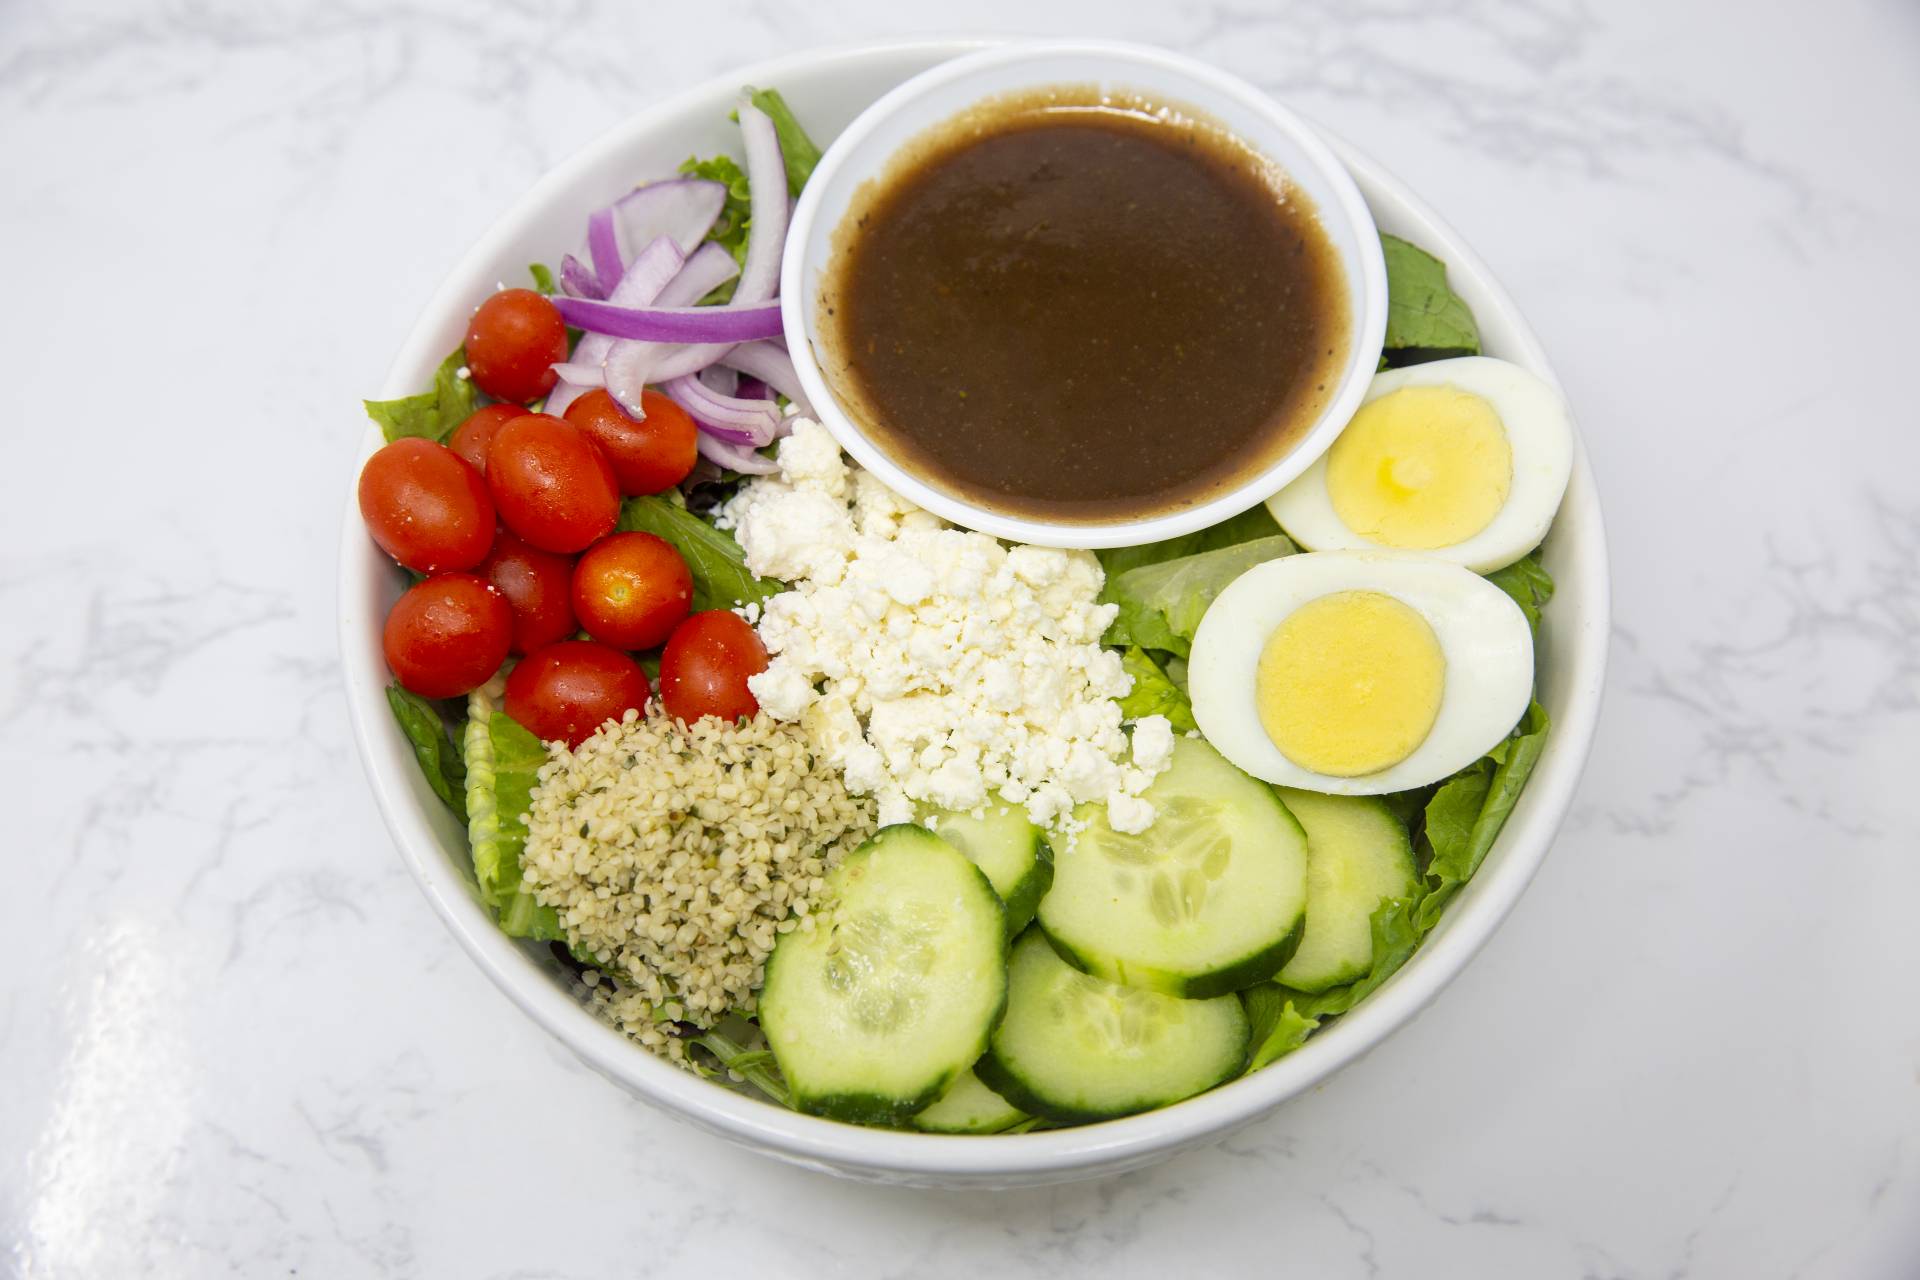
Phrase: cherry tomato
(551, 484)
(426, 507)
(447, 635)
(538, 585)
(566, 691)
(704, 669)
(513, 341)
(631, 590)
(649, 455)
(471, 438)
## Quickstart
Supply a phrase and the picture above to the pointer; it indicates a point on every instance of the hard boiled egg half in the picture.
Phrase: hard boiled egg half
(1359, 673)
(1463, 460)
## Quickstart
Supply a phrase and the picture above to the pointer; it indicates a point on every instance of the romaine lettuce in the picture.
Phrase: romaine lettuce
(1467, 812)
(1529, 583)
(1153, 693)
(503, 763)
(1161, 603)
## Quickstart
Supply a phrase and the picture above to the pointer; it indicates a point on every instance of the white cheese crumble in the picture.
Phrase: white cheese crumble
(937, 665)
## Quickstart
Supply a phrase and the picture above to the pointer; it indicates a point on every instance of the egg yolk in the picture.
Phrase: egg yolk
(1420, 468)
(1350, 683)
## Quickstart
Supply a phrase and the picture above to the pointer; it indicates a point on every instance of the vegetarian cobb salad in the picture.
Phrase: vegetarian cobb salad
(898, 823)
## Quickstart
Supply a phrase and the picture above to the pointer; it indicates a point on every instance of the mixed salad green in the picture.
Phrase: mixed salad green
(483, 763)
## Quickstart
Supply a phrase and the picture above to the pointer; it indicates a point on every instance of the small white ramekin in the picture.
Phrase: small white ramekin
(869, 144)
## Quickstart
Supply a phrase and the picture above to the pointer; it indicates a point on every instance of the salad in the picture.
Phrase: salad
(892, 821)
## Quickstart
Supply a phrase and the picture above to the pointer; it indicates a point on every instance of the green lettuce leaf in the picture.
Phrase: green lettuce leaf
(438, 756)
(503, 763)
(1529, 583)
(1395, 936)
(796, 148)
(542, 277)
(1467, 812)
(1153, 693)
(1253, 523)
(431, 415)
(1278, 1026)
(721, 579)
(1283, 1018)
(1424, 314)
(1161, 604)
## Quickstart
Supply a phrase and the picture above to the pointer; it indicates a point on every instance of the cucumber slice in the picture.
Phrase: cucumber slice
(1358, 856)
(1077, 1047)
(1207, 900)
(1005, 845)
(878, 1007)
(969, 1107)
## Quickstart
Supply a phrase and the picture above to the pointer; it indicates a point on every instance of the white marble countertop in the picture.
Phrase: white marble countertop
(234, 1040)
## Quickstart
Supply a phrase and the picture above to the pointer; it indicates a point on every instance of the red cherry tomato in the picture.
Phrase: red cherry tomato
(426, 507)
(566, 691)
(472, 438)
(631, 590)
(551, 484)
(704, 669)
(447, 635)
(538, 585)
(513, 341)
(649, 455)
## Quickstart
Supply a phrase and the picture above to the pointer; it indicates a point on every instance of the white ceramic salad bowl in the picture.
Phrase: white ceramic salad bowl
(828, 90)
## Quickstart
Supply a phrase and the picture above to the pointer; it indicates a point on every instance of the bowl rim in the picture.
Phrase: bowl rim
(830, 1145)
(1366, 268)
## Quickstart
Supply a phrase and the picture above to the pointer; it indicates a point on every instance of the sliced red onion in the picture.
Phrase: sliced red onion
(750, 422)
(734, 457)
(773, 366)
(603, 247)
(767, 185)
(720, 379)
(632, 365)
(654, 267)
(734, 322)
(577, 279)
(683, 208)
(581, 375)
(753, 389)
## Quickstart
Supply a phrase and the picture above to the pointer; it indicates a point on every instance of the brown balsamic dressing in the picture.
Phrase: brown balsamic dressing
(1082, 307)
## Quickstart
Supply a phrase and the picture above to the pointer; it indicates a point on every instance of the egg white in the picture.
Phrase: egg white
(1539, 433)
(1482, 633)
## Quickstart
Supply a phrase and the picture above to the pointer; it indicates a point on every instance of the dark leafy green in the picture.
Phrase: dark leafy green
(1161, 603)
(438, 756)
(1426, 319)
(431, 415)
(1529, 583)
(796, 148)
(721, 579)
(1153, 693)
(1467, 812)
(755, 1066)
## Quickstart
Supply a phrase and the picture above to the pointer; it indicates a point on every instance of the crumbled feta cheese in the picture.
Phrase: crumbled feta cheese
(936, 665)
